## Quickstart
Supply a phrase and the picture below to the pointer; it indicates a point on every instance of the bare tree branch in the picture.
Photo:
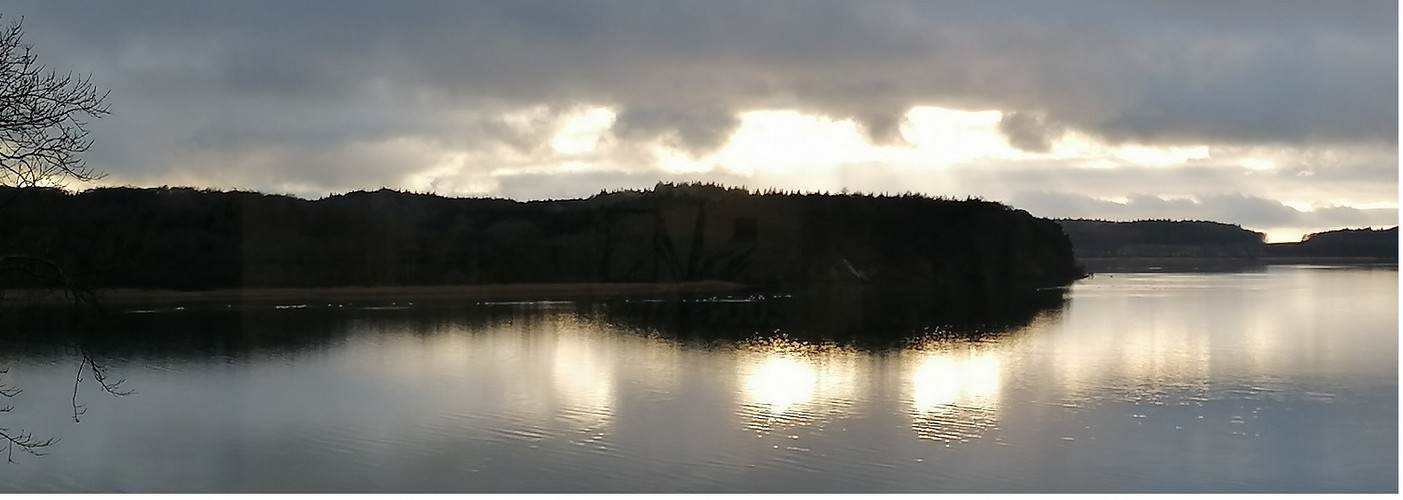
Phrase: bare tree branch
(22, 440)
(7, 391)
(43, 133)
(43, 117)
(99, 374)
(78, 410)
(25, 441)
(51, 273)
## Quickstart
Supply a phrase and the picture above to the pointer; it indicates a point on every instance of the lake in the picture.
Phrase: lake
(1278, 379)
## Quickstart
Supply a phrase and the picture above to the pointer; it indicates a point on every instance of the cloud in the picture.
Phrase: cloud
(1125, 70)
(701, 130)
(1030, 132)
(318, 96)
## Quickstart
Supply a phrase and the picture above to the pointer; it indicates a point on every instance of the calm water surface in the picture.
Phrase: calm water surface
(1284, 379)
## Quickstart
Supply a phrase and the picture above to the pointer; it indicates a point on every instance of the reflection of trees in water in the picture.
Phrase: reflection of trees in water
(864, 317)
(799, 342)
(18, 438)
(231, 332)
(24, 441)
(869, 318)
(99, 339)
(98, 372)
(798, 349)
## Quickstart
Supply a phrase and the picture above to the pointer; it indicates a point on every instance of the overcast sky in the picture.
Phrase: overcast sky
(1281, 116)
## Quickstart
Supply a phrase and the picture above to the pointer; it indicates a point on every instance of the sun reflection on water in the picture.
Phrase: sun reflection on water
(794, 383)
(955, 393)
(584, 380)
(543, 373)
(781, 383)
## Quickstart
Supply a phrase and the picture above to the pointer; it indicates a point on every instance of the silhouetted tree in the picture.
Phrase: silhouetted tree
(43, 130)
(43, 133)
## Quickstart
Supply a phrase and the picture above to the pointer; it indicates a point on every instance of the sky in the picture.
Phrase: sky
(1278, 115)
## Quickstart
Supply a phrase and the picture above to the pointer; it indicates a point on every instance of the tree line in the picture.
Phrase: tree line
(185, 238)
(1207, 239)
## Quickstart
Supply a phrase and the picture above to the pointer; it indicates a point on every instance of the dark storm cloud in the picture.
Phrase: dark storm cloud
(1029, 132)
(1154, 71)
(701, 129)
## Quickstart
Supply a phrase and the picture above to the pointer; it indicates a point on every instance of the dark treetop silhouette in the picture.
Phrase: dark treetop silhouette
(200, 239)
(1093, 239)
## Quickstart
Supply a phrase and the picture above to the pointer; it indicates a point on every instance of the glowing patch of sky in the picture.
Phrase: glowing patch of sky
(580, 131)
(942, 137)
(786, 141)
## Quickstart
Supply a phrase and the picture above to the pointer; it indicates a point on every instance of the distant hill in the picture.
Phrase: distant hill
(1341, 243)
(1187, 241)
(182, 238)
(1161, 238)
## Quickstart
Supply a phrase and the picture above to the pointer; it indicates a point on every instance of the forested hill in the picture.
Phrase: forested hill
(1161, 238)
(1093, 239)
(201, 239)
(1381, 244)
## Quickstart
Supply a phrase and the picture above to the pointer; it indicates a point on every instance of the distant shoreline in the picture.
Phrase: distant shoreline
(1259, 260)
(1219, 264)
(1325, 260)
(534, 291)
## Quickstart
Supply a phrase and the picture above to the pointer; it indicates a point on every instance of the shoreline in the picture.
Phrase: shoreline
(1218, 264)
(563, 291)
(534, 291)
(1273, 260)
